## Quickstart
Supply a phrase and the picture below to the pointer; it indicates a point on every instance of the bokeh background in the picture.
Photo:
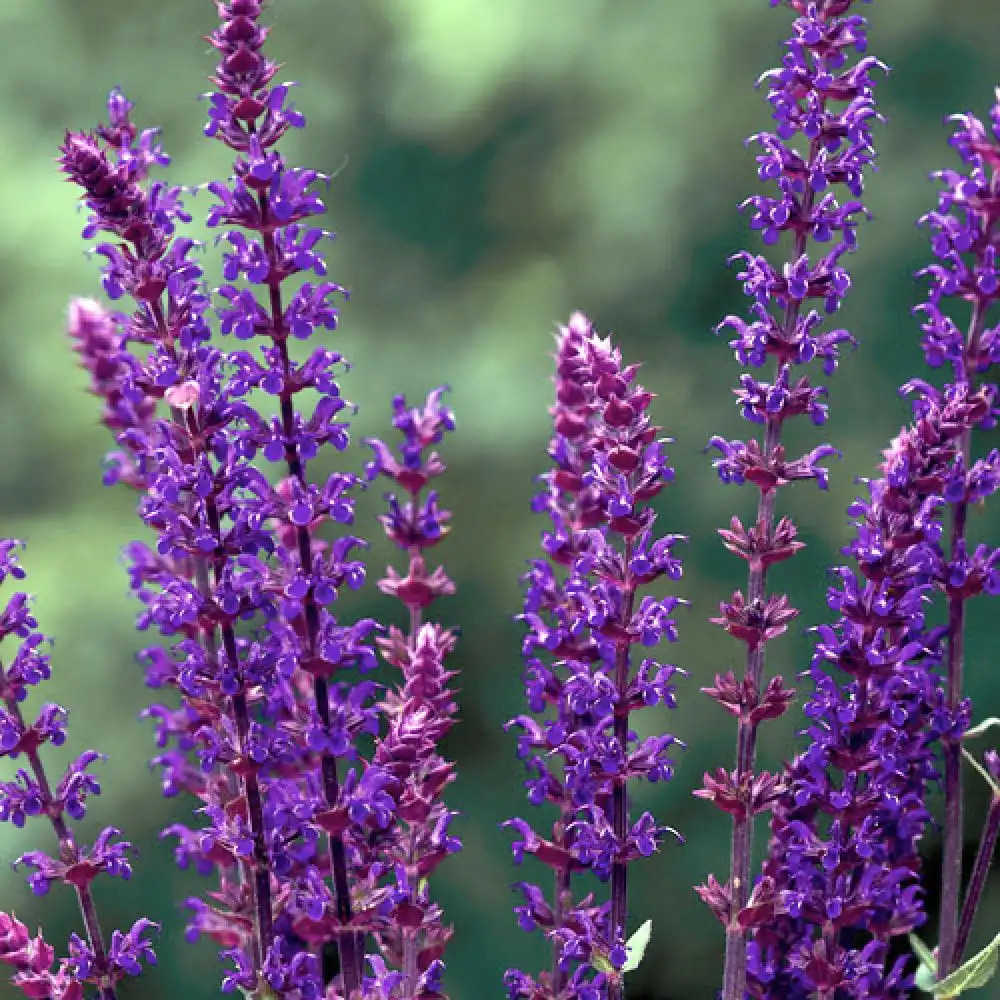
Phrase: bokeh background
(498, 166)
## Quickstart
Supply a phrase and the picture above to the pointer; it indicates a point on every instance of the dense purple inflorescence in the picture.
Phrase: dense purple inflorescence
(240, 576)
(320, 813)
(31, 796)
(237, 576)
(264, 212)
(581, 679)
(842, 877)
(964, 241)
(823, 107)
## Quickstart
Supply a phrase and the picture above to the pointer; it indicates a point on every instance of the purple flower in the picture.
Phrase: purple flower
(823, 108)
(419, 711)
(581, 681)
(31, 794)
(841, 875)
(239, 579)
(841, 879)
(964, 244)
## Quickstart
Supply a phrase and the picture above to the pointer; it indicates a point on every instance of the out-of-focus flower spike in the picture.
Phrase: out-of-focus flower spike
(23, 663)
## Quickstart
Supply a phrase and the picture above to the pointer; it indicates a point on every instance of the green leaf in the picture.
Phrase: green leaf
(981, 728)
(927, 972)
(601, 962)
(635, 947)
(976, 972)
(971, 975)
(982, 770)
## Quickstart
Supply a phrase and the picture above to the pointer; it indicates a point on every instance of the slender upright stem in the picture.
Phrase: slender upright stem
(977, 881)
(741, 847)
(952, 838)
(350, 943)
(619, 795)
(559, 899)
(411, 944)
(257, 872)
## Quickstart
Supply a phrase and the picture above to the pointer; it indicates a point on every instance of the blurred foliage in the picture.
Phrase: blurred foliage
(497, 167)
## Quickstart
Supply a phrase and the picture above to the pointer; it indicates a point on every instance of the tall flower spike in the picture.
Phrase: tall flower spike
(965, 241)
(262, 725)
(841, 878)
(265, 213)
(195, 480)
(90, 961)
(823, 107)
(582, 682)
(419, 711)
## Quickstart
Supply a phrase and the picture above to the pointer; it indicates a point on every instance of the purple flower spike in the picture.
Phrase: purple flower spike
(840, 880)
(964, 242)
(32, 795)
(581, 679)
(816, 157)
(194, 477)
(239, 579)
(266, 215)
(420, 710)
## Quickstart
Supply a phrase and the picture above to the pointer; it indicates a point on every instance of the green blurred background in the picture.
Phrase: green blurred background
(500, 165)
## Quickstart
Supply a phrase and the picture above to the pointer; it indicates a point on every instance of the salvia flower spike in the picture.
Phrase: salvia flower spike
(192, 475)
(261, 727)
(817, 156)
(265, 212)
(841, 877)
(584, 616)
(964, 241)
(419, 710)
(92, 961)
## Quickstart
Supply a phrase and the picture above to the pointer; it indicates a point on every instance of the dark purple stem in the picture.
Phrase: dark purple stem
(350, 943)
(951, 861)
(980, 869)
(741, 851)
(951, 870)
(411, 956)
(257, 873)
(735, 972)
(619, 796)
(560, 898)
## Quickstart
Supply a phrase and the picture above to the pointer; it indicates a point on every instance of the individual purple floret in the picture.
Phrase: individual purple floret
(965, 242)
(823, 108)
(31, 794)
(419, 710)
(582, 681)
